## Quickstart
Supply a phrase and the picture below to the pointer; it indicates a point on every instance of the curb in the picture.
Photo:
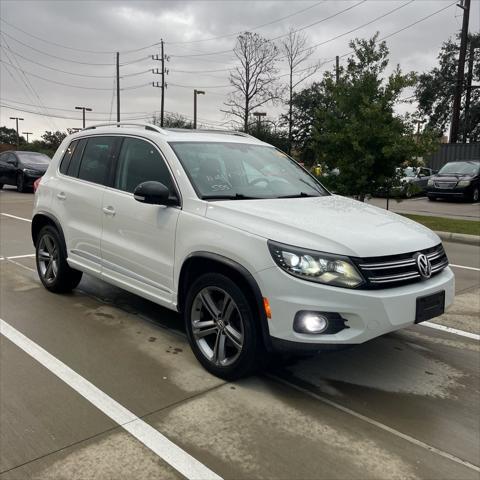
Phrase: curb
(459, 238)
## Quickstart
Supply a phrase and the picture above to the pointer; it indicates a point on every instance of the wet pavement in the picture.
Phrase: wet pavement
(405, 405)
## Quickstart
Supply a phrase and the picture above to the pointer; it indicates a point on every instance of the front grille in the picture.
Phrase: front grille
(396, 270)
(445, 185)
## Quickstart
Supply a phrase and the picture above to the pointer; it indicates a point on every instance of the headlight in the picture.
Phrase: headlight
(27, 171)
(430, 182)
(463, 183)
(314, 266)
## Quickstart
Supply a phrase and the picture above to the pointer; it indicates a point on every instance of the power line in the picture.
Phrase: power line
(228, 35)
(68, 84)
(221, 52)
(198, 86)
(67, 72)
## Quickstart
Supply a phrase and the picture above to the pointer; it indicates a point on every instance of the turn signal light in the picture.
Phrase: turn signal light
(266, 306)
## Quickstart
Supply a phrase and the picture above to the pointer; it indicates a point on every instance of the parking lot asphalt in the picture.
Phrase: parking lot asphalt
(405, 405)
(423, 206)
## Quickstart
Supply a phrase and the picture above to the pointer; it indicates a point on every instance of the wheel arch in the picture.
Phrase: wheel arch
(201, 262)
(42, 219)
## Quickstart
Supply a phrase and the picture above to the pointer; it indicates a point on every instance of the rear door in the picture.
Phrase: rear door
(8, 168)
(138, 240)
(78, 194)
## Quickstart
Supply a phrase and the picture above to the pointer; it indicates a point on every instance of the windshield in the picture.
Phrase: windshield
(460, 168)
(222, 170)
(30, 158)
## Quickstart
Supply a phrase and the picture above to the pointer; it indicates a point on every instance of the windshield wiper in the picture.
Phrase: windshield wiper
(299, 195)
(237, 196)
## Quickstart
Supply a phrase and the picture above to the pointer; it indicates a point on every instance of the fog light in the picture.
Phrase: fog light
(310, 322)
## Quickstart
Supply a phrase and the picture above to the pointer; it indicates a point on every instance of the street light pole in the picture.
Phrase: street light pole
(195, 93)
(259, 115)
(18, 135)
(84, 109)
(27, 134)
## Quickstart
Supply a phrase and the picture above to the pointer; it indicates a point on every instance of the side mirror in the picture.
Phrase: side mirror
(154, 193)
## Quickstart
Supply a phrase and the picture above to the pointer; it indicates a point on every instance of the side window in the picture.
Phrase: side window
(74, 163)
(96, 159)
(67, 157)
(140, 161)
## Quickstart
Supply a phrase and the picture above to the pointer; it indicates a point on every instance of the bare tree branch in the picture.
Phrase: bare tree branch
(255, 79)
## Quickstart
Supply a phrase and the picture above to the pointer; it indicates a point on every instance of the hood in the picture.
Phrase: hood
(38, 167)
(331, 224)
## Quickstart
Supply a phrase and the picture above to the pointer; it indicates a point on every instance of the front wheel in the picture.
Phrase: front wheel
(432, 199)
(52, 267)
(221, 327)
(475, 195)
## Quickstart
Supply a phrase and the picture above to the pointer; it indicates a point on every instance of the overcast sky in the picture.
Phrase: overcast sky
(80, 37)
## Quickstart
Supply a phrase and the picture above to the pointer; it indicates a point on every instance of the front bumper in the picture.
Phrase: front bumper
(30, 178)
(369, 313)
(463, 192)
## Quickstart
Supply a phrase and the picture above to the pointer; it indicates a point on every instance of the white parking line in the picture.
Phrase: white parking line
(462, 333)
(464, 267)
(15, 217)
(168, 451)
(377, 424)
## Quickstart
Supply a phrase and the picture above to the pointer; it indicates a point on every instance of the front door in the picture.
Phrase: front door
(138, 239)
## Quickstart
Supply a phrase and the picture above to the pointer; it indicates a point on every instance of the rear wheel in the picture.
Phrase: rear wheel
(20, 183)
(221, 327)
(1, 186)
(432, 199)
(52, 267)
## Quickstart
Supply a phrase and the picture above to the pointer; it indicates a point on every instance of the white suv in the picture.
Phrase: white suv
(254, 252)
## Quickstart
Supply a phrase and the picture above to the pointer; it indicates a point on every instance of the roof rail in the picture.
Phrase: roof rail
(146, 126)
(209, 130)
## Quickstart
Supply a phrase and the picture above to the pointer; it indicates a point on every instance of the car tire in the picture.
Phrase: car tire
(432, 199)
(475, 195)
(20, 183)
(51, 259)
(1, 186)
(221, 327)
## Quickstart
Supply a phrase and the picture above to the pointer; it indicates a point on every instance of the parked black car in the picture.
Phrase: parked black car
(22, 168)
(456, 180)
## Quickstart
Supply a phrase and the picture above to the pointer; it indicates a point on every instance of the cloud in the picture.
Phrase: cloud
(110, 26)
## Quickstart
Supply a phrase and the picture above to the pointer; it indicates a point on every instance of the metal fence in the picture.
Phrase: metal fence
(451, 152)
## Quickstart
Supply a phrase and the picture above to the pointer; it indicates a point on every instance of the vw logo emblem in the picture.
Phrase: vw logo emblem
(423, 264)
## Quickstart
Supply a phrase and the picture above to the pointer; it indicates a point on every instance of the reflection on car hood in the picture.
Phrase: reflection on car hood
(332, 224)
(39, 167)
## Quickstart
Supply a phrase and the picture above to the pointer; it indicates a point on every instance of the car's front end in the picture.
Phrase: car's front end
(358, 298)
(456, 180)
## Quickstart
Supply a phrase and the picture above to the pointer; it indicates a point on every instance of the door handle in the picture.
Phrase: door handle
(61, 196)
(109, 211)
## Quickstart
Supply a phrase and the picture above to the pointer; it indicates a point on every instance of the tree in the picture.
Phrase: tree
(255, 79)
(436, 89)
(173, 120)
(296, 54)
(304, 107)
(360, 133)
(52, 140)
(9, 136)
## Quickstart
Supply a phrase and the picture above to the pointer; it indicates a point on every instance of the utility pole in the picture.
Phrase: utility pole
(27, 134)
(259, 115)
(84, 109)
(466, 117)
(118, 88)
(337, 68)
(457, 100)
(163, 85)
(195, 93)
(16, 120)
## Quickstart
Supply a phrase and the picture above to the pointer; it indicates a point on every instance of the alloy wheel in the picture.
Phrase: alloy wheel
(217, 326)
(48, 258)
